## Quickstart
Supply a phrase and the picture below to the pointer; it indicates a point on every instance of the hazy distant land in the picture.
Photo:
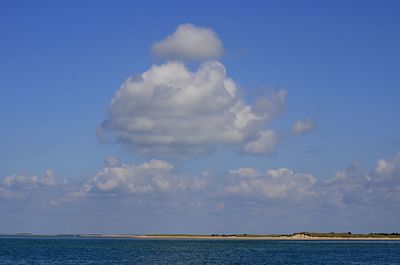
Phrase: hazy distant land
(294, 236)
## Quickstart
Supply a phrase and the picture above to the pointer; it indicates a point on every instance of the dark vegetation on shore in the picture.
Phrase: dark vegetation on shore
(219, 235)
(349, 235)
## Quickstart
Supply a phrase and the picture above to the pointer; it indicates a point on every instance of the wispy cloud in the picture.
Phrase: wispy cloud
(304, 126)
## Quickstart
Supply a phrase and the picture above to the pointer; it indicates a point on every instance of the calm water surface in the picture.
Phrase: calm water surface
(137, 251)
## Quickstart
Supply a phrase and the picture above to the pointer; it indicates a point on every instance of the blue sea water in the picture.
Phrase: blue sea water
(55, 251)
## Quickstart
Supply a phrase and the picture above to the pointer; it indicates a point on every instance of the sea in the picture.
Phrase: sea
(46, 251)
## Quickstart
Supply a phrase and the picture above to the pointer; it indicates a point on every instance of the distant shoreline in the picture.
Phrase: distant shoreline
(266, 238)
(295, 236)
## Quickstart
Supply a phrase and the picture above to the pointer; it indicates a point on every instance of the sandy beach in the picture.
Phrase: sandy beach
(239, 237)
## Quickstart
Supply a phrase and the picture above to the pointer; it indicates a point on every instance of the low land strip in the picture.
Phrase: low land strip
(294, 236)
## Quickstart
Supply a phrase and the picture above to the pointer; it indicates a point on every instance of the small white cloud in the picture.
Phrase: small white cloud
(245, 172)
(24, 181)
(263, 145)
(111, 161)
(197, 184)
(388, 169)
(25, 186)
(189, 42)
(300, 127)
(385, 179)
(278, 183)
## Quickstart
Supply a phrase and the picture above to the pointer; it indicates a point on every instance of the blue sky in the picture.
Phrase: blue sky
(337, 62)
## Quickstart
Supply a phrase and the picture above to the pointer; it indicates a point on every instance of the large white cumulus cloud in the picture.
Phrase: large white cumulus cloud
(189, 42)
(172, 110)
